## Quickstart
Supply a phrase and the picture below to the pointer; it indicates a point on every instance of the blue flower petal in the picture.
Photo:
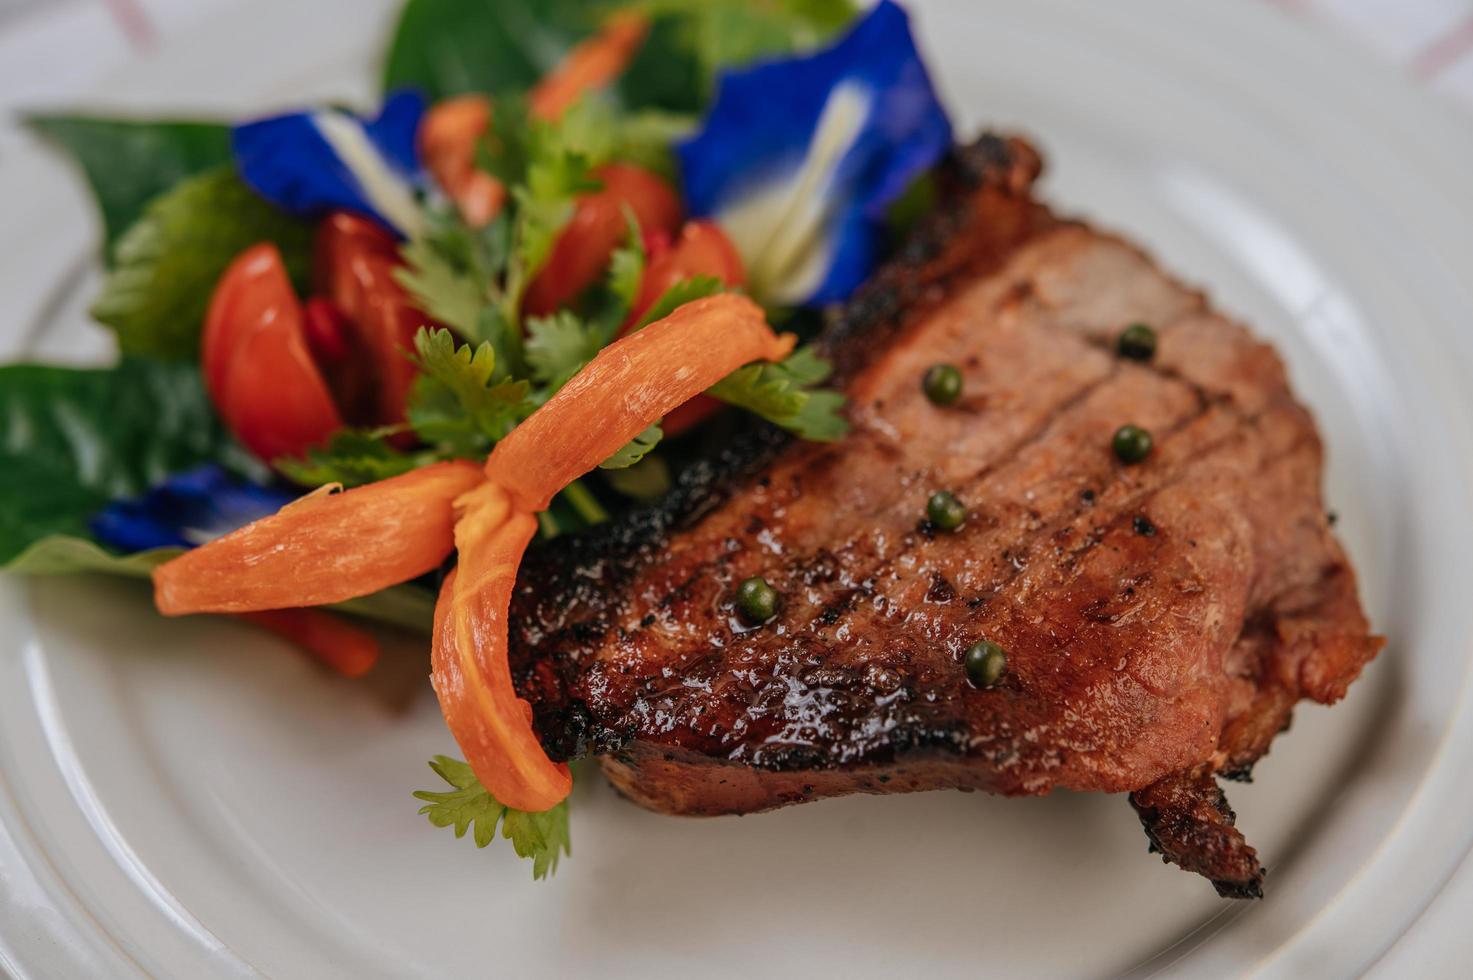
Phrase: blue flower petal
(309, 163)
(185, 510)
(799, 157)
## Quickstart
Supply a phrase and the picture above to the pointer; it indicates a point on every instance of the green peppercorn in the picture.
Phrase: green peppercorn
(945, 511)
(985, 663)
(942, 384)
(1137, 342)
(1131, 444)
(756, 600)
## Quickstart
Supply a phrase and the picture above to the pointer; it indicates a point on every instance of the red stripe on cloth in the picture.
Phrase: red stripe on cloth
(133, 19)
(1448, 48)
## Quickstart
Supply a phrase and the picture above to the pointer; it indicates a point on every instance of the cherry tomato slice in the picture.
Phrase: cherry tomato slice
(597, 227)
(355, 263)
(256, 362)
(701, 250)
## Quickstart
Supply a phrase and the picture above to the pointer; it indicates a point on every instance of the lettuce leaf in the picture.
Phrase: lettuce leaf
(128, 162)
(167, 263)
(72, 440)
(500, 47)
(409, 606)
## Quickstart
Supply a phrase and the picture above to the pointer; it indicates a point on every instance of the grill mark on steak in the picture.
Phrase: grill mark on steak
(1140, 662)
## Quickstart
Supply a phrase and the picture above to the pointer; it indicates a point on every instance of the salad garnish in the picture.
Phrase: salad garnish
(501, 305)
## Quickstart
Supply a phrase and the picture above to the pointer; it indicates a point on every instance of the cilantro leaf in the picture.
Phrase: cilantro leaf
(128, 162)
(353, 457)
(696, 287)
(545, 202)
(167, 263)
(543, 837)
(635, 449)
(599, 129)
(784, 395)
(456, 403)
(453, 271)
(559, 345)
(626, 269)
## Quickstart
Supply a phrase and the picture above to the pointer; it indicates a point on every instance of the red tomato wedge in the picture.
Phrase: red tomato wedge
(323, 549)
(257, 363)
(355, 263)
(632, 383)
(340, 645)
(471, 675)
(702, 249)
(591, 65)
(599, 226)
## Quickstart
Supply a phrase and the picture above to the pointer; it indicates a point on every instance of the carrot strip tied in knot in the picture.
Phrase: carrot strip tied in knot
(339, 546)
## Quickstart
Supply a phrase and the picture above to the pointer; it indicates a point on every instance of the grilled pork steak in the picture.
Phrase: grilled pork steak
(1160, 620)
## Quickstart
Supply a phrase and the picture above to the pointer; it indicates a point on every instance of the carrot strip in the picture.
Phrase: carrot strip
(323, 548)
(345, 648)
(591, 65)
(632, 383)
(471, 674)
(447, 142)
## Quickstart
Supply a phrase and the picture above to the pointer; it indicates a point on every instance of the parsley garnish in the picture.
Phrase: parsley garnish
(786, 395)
(635, 449)
(543, 837)
(457, 404)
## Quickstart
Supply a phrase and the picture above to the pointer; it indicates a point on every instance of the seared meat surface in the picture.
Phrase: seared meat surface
(1160, 619)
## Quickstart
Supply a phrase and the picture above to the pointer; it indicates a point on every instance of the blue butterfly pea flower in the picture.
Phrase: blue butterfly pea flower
(309, 163)
(799, 158)
(184, 511)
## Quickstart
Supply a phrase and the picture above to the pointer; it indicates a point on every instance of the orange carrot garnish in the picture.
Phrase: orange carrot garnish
(324, 548)
(591, 65)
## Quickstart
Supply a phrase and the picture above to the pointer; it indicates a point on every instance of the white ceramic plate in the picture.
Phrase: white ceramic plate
(189, 799)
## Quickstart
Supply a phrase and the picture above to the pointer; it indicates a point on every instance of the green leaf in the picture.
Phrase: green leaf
(353, 457)
(453, 271)
(446, 293)
(784, 395)
(73, 440)
(168, 262)
(626, 275)
(645, 481)
(696, 287)
(456, 403)
(555, 176)
(63, 554)
(409, 606)
(559, 345)
(691, 42)
(635, 449)
(128, 162)
(666, 74)
(543, 836)
(448, 47)
(599, 129)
